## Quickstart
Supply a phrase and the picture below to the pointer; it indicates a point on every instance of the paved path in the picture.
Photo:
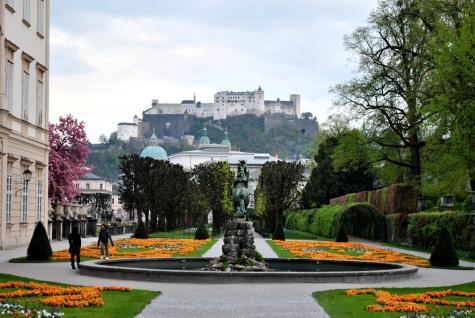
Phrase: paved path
(236, 300)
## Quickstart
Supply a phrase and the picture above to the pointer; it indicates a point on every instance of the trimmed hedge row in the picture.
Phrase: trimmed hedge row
(418, 229)
(423, 229)
(397, 198)
(358, 219)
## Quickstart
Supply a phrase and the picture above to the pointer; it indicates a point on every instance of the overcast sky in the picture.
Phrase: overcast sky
(110, 58)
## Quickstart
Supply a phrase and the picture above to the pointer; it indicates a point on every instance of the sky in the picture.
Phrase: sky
(110, 58)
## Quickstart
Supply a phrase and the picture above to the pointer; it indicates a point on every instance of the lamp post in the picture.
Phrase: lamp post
(27, 175)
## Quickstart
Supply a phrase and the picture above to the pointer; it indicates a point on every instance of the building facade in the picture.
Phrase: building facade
(24, 62)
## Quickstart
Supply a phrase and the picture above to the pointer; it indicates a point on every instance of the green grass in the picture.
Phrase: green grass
(116, 304)
(202, 249)
(338, 305)
(419, 249)
(182, 233)
(281, 252)
(301, 235)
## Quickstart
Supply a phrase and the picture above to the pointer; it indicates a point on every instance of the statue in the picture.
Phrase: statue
(240, 191)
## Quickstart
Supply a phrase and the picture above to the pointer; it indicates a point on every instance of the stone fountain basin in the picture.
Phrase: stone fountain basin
(189, 270)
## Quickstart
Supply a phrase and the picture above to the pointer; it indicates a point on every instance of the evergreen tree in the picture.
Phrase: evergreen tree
(444, 253)
(39, 248)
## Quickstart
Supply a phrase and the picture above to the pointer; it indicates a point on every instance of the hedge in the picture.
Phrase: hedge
(397, 198)
(423, 229)
(359, 219)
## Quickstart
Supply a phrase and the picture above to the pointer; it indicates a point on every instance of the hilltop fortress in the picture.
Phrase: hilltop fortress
(173, 120)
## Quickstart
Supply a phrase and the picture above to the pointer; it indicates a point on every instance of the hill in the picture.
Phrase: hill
(246, 133)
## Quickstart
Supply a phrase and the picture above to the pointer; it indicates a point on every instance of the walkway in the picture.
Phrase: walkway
(260, 243)
(236, 300)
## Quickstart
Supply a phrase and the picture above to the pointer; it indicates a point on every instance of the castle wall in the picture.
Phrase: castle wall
(170, 125)
(125, 131)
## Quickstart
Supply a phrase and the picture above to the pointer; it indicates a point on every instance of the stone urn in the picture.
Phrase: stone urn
(59, 212)
(82, 212)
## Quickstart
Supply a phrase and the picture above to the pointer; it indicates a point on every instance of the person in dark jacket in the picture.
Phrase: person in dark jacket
(75, 246)
(103, 241)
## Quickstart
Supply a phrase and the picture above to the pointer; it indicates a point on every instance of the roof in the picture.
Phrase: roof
(187, 101)
(90, 176)
(130, 124)
(154, 152)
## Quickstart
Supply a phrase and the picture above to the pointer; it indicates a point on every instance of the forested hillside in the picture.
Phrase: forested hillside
(246, 133)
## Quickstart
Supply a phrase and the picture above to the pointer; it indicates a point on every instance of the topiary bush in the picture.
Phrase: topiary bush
(141, 231)
(39, 248)
(279, 233)
(444, 254)
(201, 232)
(341, 236)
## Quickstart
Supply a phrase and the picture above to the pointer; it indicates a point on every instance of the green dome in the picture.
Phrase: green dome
(226, 140)
(204, 140)
(155, 152)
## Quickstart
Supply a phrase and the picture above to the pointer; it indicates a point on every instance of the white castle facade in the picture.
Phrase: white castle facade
(226, 103)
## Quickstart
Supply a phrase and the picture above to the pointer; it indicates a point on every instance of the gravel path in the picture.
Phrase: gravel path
(236, 300)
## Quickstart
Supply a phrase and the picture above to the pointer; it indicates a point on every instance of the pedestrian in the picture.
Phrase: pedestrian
(103, 241)
(75, 246)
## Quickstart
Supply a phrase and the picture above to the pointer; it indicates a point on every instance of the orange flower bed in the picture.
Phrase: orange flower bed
(139, 248)
(348, 251)
(412, 302)
(57, 296)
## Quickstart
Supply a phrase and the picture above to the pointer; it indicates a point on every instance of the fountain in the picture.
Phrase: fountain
(238, 263)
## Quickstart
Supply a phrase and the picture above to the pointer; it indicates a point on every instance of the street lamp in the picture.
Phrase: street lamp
(27, 175)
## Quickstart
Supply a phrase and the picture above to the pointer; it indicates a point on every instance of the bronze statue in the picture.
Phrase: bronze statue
(240, 191)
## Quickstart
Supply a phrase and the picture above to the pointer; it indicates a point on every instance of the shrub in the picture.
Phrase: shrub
(326, 219)
(291, 221)
(303, 220)
(444, 253)
(279, 232)
(259, 257)
(141, 231)
(341, 236)
(39, 248)
(422, 229)
(364, 220)
(201, 232)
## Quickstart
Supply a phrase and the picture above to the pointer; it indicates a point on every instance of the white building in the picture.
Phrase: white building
(91, 183)
(218, 152)
(24, 78)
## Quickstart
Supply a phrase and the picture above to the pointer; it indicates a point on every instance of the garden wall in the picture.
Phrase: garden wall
(397, 198)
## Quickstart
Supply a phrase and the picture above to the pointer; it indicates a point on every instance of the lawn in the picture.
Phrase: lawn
(339, 305)
(116, 303)
(281, 252)
(301, 235)
(342, 251)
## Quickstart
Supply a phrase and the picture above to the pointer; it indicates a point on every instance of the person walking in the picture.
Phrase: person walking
(75, 246)
(103, 241)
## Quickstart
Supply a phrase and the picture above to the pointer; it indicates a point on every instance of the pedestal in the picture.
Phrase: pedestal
(239, 239)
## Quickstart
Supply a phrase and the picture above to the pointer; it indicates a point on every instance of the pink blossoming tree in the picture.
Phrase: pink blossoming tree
(67, 158)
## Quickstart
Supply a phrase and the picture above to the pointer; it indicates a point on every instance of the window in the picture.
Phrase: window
(25, 96)
(26, 10)
(9, 86)
(11, 5)
(77, 185)
(8, 216)
(41, 17)
(41, 103)
(87, 186)
(113, 201)
(39, 200)
(100, 186)
(24, 201)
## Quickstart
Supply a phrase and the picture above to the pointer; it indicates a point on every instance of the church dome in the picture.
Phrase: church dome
(155, 152)
(226, 140)
(204, 140)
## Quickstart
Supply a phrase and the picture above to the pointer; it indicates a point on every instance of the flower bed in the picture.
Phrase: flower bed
(348, 251)
(413, 302)
(55, 295)
(139, 248)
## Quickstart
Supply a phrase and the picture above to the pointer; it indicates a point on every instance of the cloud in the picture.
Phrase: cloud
(110, 58)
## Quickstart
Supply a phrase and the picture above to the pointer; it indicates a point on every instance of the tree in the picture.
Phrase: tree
(392, 90)
(215, 182)
(452, 50)
(67, 158)
(343, 165)
(131, 185)
(39, 248)
(101, 203)
(307, 115)
(103, 139)
(278, 185)
(444, 253)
